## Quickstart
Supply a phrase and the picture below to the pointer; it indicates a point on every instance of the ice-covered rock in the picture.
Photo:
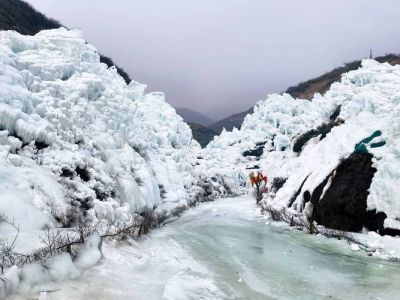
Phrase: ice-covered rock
(74, 136)
(302, 142)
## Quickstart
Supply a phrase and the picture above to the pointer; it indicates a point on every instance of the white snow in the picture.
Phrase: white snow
(9, 282)
(74, 135)
(89, 254)
(228, 254)
(369, 100)
(55, 92)
(60, 267)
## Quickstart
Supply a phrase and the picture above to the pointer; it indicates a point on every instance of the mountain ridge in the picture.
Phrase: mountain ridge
(306, 89)
(193, 116)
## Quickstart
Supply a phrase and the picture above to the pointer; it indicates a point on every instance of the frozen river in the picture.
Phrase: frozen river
(220, 250)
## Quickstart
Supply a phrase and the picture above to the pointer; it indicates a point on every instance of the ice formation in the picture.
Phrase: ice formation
(73, 135)
(365, 102)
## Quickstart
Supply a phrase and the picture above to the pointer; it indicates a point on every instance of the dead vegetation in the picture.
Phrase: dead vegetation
(299, 222)
(58, 240)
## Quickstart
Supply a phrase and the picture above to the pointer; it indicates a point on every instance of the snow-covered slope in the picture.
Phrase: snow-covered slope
(75, 139)
(303, 142)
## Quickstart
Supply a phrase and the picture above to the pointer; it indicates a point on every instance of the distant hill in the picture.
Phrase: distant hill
(192, 116)
(202, 134)
(306, 89)
(228, 123)
(199, 124)
(321, 84)
(22, 17)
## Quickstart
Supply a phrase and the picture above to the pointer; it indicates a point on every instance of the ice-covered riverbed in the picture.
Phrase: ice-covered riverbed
(219, 250)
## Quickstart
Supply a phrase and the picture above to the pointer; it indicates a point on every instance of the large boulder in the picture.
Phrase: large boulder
(344, 204)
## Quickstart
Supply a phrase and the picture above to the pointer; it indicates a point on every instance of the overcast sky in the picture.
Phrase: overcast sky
(221, 56)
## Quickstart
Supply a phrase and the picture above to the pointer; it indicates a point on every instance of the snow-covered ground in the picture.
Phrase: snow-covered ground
(221, 250)
(366, 101)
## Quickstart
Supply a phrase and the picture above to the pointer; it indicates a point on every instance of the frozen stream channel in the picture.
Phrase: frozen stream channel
(220, 250)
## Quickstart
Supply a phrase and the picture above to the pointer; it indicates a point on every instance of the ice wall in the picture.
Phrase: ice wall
(364, 102)
(73, 135)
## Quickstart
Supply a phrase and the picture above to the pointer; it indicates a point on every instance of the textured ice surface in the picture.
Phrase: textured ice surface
(72, 133)
(219, 251)
(369, 100)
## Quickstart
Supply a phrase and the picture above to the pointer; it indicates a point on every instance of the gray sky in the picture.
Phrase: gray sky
(221, 56)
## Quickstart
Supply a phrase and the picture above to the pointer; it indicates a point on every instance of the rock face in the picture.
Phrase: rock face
(344, 204)
(322, 130)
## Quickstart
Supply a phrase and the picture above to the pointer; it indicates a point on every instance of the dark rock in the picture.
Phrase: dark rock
(207, 188)
(255, 167)
(66, 172)
(277, 183)
(256, 152)
(83, 173)
(322, 130)
(336, 113)
(261, 143)
(291, 201)
(101, 193)
(41, 145)
(391, 232)
(306, 198)
(163, 192)
(316, 195)
(86, 204)
(374, 221)
(344, 204)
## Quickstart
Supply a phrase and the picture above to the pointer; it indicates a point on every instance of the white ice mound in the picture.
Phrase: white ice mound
(73, 135)
(364, 102)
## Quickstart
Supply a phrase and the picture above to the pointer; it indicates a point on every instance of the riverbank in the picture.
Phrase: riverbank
(221, 250)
